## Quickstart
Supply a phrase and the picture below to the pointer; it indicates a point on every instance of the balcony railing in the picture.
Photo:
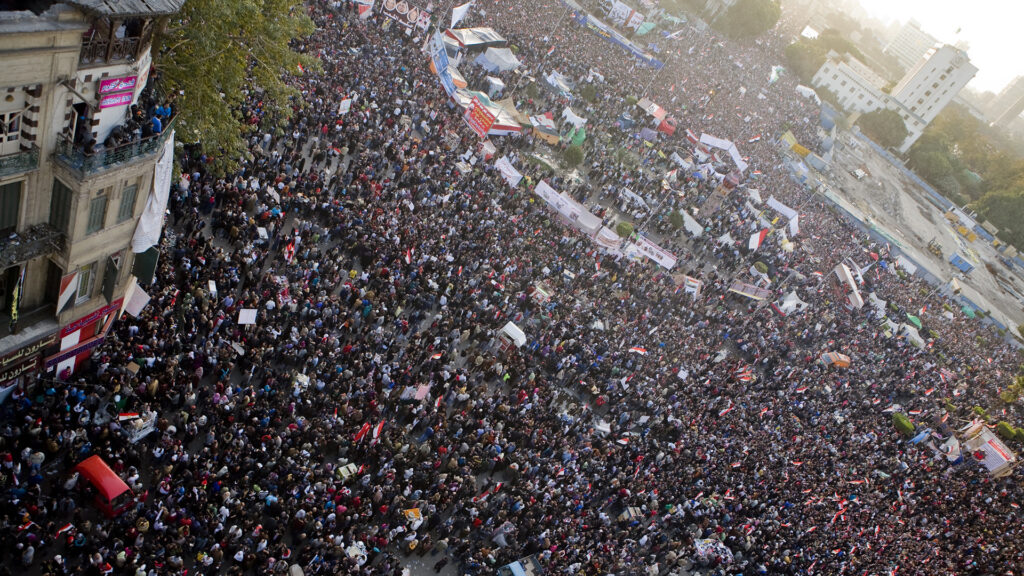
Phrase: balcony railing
(18, 162)
(95, 52)
(38, 240)
(76, 158)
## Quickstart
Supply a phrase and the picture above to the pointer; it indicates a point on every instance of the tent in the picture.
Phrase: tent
(504, 122)
(498, 60)
(651, 108)
(728, 146)
(476, 38)
(544, 128)
(987, 449)
(914, 320)
(576, 135)
(807, 92)
(835, 359)
(512, 335)
(559, 83)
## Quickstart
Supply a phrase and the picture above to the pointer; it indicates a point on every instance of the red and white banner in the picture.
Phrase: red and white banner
(479, 118)
(68, 290)
(756, 239)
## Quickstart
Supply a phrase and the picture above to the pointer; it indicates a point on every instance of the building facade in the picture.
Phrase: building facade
(1008, 104)
(77, 167)
(918, 97)
(910, 45)
(935, 81)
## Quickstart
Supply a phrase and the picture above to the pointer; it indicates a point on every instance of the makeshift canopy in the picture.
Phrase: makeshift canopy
(498, 60)
(494, 85)
(651, 108)
(513, 334)
(476, 37)
(728, 146)
(914, 320)
(105, 480)
(559, 83)
(576, 136)
(504, 122)
(835, 359)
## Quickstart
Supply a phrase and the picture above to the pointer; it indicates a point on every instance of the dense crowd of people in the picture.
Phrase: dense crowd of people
(638, 422)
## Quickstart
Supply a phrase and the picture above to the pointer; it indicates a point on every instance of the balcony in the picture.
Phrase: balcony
(38, 240)
(75, 157)
(23, 161)
(101, 52)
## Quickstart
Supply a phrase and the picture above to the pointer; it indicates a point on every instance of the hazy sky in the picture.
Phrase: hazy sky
(993, 28)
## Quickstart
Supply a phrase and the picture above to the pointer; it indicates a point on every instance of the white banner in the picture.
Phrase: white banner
(781, 208)
(136, 300)
(607, 238)
(545, 191)
(663, 257)
(508, 171)
(794, 226)
(344, 107)
(147, 233)
(691, 225)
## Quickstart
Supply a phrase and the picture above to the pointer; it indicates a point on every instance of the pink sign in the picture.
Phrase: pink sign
(111, 100)
(111, 85)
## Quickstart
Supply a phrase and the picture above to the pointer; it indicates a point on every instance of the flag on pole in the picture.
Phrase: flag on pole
(757, 239)
(363, 431)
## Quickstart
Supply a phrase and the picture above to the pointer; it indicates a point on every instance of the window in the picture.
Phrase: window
(10, 204)
(97, 212)
(913, 108)
(943, 77)
(60, 206)
(920, 100)
(935, 84)
(860, 96)
(835, 76)
(10, 132)
(86, 278)
(928, 93)
(127, 209)
(843, 83)
(871, 102)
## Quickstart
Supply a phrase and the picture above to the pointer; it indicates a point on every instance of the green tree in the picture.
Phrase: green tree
(624, 229)
(932, 165)
(805, 57)
(676, 220)
(749, 18)
(884, 126)
(573, 156)
(588, 93)
(215, 51)
(1005, 209)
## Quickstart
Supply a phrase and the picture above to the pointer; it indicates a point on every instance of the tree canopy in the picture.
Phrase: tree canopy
(214, 52)
(806, 55)
(886, 127)
(749, 18)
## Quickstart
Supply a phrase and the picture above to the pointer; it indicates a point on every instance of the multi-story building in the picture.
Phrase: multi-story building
(1008, 104)
(910, 45)
(935, 81)
(919, 96)
(77, 169)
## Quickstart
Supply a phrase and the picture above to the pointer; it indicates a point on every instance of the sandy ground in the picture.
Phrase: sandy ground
(898, 207)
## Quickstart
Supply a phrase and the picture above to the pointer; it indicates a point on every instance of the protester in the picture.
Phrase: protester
(617, 440)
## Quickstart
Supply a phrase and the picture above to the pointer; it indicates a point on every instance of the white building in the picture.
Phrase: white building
(934, 82)
(910, 45)
(918, 98)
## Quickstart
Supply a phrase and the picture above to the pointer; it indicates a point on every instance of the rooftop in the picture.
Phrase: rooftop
(127, 8)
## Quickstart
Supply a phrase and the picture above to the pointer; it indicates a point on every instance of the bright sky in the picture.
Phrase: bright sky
(992, 28)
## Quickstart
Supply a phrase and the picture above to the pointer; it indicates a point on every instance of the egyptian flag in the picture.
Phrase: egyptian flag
(363, 431)
(639, 350)
(727, 410)
(437, 356)
(483, 495)
(377, 429)
(65, 528)
(127, 416)
(289, 251)
(757, 239)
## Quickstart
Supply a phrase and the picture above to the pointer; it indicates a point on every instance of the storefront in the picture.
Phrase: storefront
(79, 338)
(18, 366)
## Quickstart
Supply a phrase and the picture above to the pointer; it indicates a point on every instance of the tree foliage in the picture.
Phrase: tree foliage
(214, 52)
(573, 156)
(884, 126)
(749, 18)
(677, 221)
(806, 55)
(624, 229)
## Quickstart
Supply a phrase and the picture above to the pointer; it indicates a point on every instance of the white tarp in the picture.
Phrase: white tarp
(607, 238)
(728, 146)
(147, 233)
(726, 239)
(558, 82)
(508, 171)
(912, 335)
(136, 300)
(572, 210)
(635, 198)
(691, 225)
(247, 316)
(663, 257)
(498, 60)
(791, 303)
(794, 226)
(514, 333)
(572, 118)
(807, 92)
(755, 195)
(906, 264)
(459, 12)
